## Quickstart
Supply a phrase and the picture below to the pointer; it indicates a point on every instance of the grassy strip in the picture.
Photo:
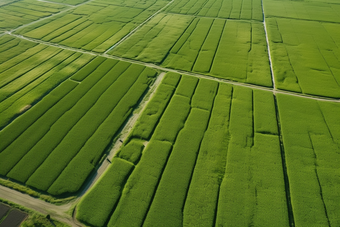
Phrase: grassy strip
(209, 47)
(187, 54)
(88, 69)
(187, 86)
(234, 201)
(95, 207)
(132, 151)
(166, 207)
(200, 205)
(141, 185)
(149, 118)
(204, 94)
(173, 119)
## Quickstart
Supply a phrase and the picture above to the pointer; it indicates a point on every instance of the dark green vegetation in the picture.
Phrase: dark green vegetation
(212, 156)
(244, 10)
(244, 130)
(56, 144)
(228, 49)
(311, 137)
(29, 71)
(305, 45)
(94, 26)
(16, 13)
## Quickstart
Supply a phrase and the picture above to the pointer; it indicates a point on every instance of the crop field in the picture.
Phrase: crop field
(306, 56)
(203, 137)
(79, 27)
(29, 70)
(171, 112)
(72, 126)
(202, 45)
(243, 9)
(16, 13)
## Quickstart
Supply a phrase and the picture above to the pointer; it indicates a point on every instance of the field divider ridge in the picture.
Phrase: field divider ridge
(154, 66)
(268, 49)
(123, 135)
(54, 14)
(136, 28)
(284, 166)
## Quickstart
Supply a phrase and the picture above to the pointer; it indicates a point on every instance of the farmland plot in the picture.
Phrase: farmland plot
(29, 71)
(69, 2)
(210, 155)
(56, 144)
(306, 56)
(243, 9)
(93, 26)
(17, 13)
(315, 10)
(311, 137)
(228, 49)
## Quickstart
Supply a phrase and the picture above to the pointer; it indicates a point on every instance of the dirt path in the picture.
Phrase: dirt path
(57, 212)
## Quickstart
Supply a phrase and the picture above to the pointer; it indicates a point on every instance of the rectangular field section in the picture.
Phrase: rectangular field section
(229, 49)
(311, 137)
(305, 55)
(94, 26)
(56, 144)
(17, 13)
(204, 153)
(29, 71)
(235, 9)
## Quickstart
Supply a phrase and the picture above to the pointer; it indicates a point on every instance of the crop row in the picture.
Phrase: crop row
(21, 12)
(204, 136)
(29, 70)
(242, 9)
(79, 28)
(222, 48)
(70, 2)
(56, 144)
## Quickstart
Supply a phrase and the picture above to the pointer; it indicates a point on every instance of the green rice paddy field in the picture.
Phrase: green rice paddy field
(206, 113)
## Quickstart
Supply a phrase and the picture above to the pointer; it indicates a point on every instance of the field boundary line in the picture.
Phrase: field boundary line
(221, 18)
(123, 135)
(52, 15)
(58, 3)
(136, 28)
(268, 49)
(151, 65)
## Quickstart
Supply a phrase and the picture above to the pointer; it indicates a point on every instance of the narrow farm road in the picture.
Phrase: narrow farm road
(57, 212)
